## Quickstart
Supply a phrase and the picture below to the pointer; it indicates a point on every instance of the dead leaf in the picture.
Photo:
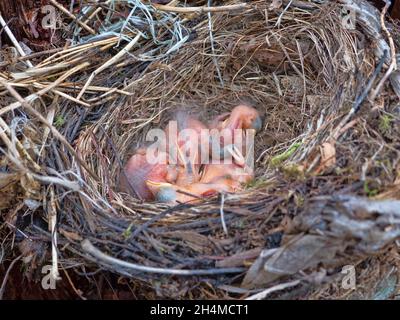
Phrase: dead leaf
(302, 252)
(239, 259)
(70, 235)
(328, 156)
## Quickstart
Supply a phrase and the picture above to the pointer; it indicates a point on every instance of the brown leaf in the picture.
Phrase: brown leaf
(71, 235)
(239, 259)
(328, 155)
(300, 253)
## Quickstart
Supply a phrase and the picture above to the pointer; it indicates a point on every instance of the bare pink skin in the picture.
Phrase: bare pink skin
(185, 175)
(187, 168)
(241, 117)
(232, 174)
(193, 192)
(138, 170)
(185, 121)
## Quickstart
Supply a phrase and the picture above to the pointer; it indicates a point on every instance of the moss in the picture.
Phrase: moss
(385, 123)
(255, 183)
(128, 232)
(59, 121)
(278, 159)
(293, 171)
(370, 192)
(299, 200)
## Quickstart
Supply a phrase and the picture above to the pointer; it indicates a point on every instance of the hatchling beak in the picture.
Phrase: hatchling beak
(163, 191)
(236, 154)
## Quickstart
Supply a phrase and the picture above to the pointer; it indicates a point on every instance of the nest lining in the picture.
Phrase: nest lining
(264, 72)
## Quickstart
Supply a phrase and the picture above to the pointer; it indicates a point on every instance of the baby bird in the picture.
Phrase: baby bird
(215, 178)
(231, 174)
(138, 170)
(186, 142)
(241, 117)
(172, 193)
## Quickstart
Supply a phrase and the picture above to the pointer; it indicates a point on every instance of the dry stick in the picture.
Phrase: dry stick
(30, 56)
(88, 247)
(50, 118)
(41, 53)
(66, 96)
(265, 293)
(55, 132)
(200, 9)
(214, 57)
(221, 210)
(355, 108)
(77, 292)
(90, 17)
(360, 99)
(14, 41)
(76, 49)
(34, 72)
(109, 63)
(69, 14)
(36, 95)
(278, 22)
(52, 220)
(3, 285)
(393, 64)
(72, 88)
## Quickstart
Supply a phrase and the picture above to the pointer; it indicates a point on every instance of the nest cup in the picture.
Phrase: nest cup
(290, 74)
(301, 68)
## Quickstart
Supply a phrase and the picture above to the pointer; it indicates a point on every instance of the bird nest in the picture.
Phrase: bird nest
(327, 157)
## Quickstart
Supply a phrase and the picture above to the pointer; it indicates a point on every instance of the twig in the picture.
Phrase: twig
(393, 64)
(69, 14)
(265, 293)
(360, 99)
(201, 9)
(66, 96)
(55, 132)
(14, 41)
(221, 211)
(109, 63)
(77, 291)
(3, 285)
(214, 57)
(52, 227)
(88, 247)
(278, 22)
(32, 97)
